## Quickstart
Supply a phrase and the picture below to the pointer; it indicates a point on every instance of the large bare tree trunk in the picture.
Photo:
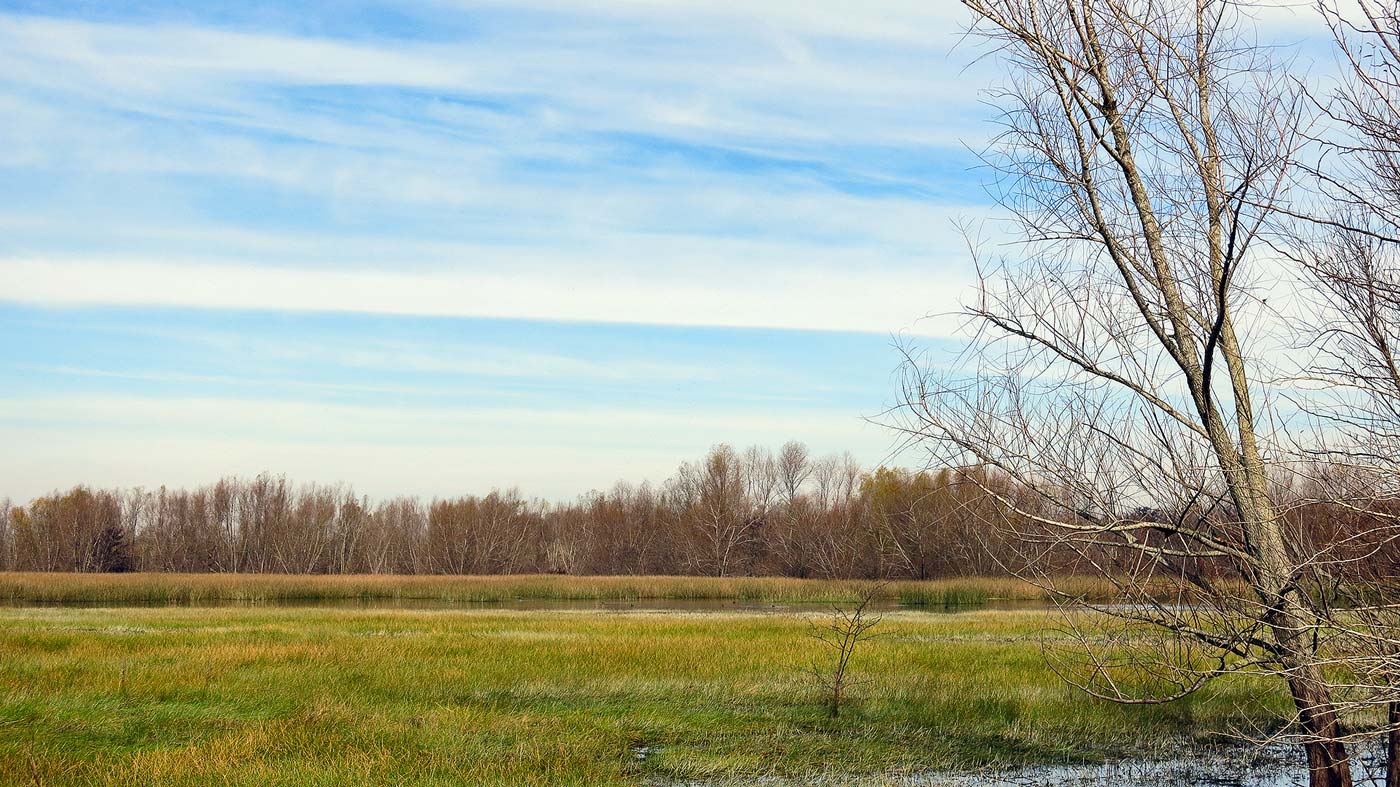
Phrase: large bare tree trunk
(1328, 764)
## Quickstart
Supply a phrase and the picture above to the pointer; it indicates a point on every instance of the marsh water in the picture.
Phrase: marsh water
(1274, 765)
(1228, 765)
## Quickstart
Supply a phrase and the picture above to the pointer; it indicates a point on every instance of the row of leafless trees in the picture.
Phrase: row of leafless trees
(1191, 363)
(729, 513)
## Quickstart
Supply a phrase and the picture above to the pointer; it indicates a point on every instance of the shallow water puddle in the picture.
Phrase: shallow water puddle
(1274, 766)
(1229, 766)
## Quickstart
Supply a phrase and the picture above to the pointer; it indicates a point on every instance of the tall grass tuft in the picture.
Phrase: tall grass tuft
(948, 595)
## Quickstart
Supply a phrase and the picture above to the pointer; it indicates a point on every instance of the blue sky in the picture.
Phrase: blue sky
(434, 247)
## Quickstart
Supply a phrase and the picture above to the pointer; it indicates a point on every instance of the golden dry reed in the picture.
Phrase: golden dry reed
(158, 588)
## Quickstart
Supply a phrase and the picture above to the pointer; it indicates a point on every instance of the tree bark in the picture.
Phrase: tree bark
(1328, 764)
(1392, 747)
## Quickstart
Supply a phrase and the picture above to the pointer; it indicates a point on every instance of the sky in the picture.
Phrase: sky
(435, 247)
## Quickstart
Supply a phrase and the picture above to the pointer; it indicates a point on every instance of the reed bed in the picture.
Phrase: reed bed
(197, 589)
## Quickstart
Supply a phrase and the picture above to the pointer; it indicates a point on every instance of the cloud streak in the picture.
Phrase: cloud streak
(835, 301)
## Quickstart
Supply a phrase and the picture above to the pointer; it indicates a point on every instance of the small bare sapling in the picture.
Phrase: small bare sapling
(841, 632)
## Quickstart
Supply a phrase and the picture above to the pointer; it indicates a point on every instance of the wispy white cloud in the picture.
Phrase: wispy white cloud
(906, 22)
(397, 357)
(855, 300)
(759, 82)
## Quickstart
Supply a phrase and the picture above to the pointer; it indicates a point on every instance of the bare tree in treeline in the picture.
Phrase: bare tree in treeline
(63, 533)
(7, 534)
(1120, 375)
(721, 516)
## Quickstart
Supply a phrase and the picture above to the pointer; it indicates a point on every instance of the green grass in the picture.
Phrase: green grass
(315, 696)
(210, 588)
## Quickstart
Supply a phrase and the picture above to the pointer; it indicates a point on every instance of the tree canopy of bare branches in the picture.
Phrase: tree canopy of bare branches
(1123, 366)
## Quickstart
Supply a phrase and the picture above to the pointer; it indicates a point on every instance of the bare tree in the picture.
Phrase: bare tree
(1119, 369)
(348, 535)
(404, 522)
(7, 535)
(223, 519)
(837, 536)
(794, 467)
(508, 531)
(713, 499)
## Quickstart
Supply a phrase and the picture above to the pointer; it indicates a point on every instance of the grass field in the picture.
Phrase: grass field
(307, 696)
(208, 588)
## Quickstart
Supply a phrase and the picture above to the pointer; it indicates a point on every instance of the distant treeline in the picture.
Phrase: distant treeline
(730, 513)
